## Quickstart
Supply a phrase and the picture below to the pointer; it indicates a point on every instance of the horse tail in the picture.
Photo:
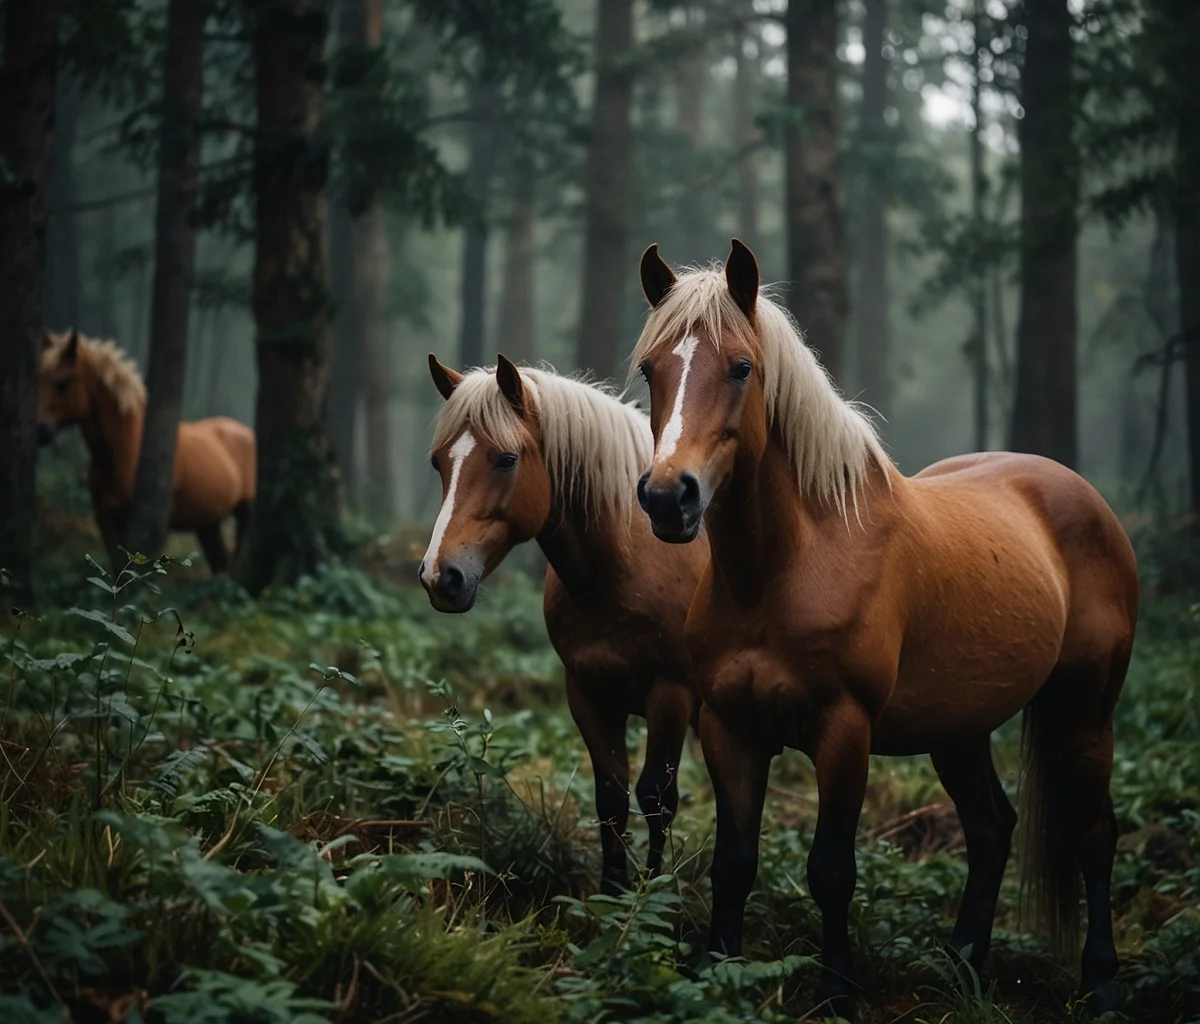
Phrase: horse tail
(1049, 865)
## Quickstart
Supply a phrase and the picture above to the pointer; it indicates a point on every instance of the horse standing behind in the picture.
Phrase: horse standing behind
(849, 610)
(94, 384)
(527, 454)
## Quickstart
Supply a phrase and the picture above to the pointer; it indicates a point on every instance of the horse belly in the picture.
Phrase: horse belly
(983, 661)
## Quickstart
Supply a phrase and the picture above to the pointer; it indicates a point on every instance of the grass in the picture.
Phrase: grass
(334, 804)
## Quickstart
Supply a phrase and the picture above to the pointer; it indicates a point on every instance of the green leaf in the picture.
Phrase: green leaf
(94, 616)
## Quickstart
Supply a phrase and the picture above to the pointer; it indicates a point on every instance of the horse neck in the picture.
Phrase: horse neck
(113, 437)
(584, 550)
(757, 523)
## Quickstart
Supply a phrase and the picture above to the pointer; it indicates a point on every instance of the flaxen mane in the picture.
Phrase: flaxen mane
(595, 445)
(115, 369)
(831, 441)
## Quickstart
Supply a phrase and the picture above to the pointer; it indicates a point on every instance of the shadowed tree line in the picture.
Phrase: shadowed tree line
(323, 148)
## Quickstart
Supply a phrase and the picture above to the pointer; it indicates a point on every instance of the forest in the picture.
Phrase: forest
(249, 769)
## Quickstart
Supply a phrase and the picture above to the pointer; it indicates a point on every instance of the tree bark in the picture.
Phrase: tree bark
(609, 179)
(979, 348)
(516, 301)
(1044, 407)
(62, 238)
(174, 263)
(27, 76)
(874, 343)
(473, 281)
(346, 375)
(295, 519)
(1184, 21)
(744, 131)
(815, 233)
(690, 80)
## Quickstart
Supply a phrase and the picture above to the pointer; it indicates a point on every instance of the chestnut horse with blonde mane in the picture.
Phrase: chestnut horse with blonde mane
(849, 610)
(94, 384)
(527, 454)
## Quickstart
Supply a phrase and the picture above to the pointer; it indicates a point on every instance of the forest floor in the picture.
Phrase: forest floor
(333, 804)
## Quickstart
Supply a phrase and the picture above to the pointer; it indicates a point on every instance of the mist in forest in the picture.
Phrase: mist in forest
(972, 208)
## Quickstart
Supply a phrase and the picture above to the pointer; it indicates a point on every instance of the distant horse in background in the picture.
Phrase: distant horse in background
(849, 610)
(527, 454)
(94, 384)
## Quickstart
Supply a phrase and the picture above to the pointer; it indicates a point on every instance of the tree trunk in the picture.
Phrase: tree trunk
(608, 181)
(978, 346)
(1184, 20)
(295, 517)
(1044, 419)
(516, 301)
(473, 281)
(690, 74)
(174, 262)
(815, 235)
(874, 343)
(346, 377)
(370, 288)
(744, 131)
(27, 75)
(62, 230)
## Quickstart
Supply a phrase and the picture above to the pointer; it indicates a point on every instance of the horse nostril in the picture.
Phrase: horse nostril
(689, 493)
(451, 582)
(641, 490)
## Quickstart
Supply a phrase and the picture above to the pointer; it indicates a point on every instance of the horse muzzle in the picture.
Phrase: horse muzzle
(452, 588)
(45, 433)
(675, 508)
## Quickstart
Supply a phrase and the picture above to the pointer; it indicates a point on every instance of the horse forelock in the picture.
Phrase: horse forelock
(832, 442)
(594, 444)
(114, 368)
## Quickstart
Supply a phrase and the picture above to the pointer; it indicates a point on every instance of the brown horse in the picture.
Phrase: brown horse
(527, 454)
(850, 610)
(92, 383)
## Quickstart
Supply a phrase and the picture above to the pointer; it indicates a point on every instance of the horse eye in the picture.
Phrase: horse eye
(62, 386)
(741, 370)
(505, 461)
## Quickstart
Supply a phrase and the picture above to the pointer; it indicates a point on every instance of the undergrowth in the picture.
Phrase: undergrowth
(333, 804)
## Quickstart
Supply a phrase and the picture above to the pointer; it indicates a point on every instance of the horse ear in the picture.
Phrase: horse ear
(741, 275)
(511, 385)
(72, 348)
(47, 339)
(444, 378)
(657, 277)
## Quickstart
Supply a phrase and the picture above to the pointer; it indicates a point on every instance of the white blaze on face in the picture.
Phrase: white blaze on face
(673, 431)
(458, 453)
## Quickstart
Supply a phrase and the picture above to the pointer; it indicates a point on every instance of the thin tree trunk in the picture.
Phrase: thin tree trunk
(1044, 419)
(608, 180)
(1187, 265)
(473, 281)
(106, 283)
(978, 286)
(346, 378)
(874, 342)
(516, 301)
(295, 516)
(744, 131)
(174, 263)
(815, 234)
(690, 74)
(27, 75)
(370, 287)
(62, 232)
(217, 349)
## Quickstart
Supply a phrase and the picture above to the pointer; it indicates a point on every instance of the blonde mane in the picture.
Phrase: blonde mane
(115, 369)
(831, 441)
(594, 445)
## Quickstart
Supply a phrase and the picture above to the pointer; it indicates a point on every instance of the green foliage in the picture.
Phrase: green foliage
(338, 805)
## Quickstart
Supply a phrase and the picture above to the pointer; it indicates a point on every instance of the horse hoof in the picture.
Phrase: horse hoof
(1100, 998)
